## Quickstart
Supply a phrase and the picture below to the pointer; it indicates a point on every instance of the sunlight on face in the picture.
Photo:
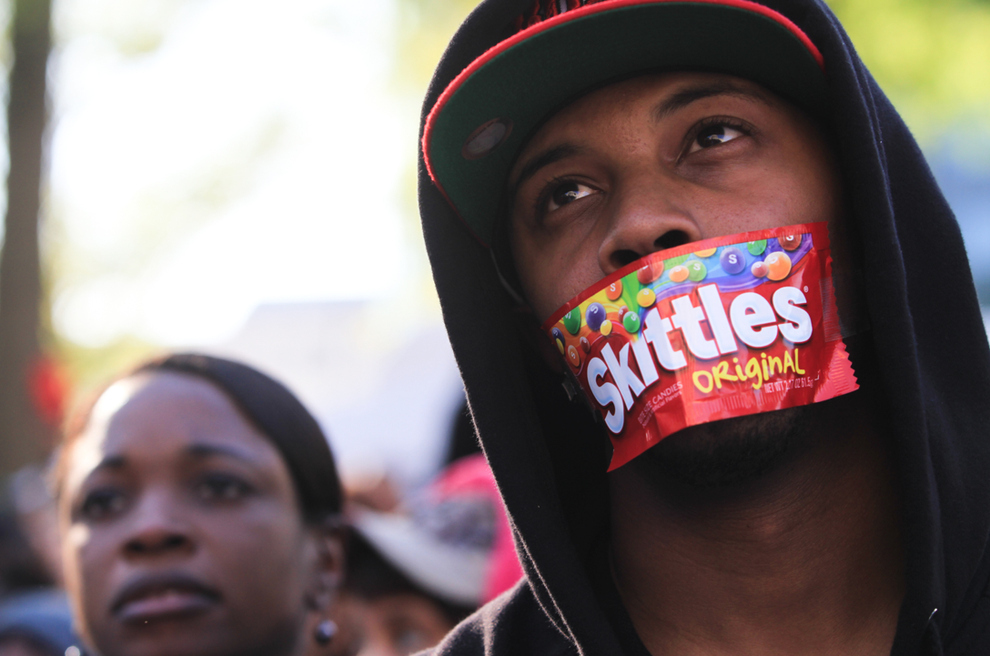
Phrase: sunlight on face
(87, 450)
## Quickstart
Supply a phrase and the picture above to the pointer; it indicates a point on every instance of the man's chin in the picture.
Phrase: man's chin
(727, 453)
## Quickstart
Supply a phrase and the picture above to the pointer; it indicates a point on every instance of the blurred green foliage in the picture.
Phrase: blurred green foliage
(133, 27)
(932, 58)
(423, 29)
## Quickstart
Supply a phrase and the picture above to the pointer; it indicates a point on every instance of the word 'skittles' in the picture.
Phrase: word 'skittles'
(707, 331)
(752, 321)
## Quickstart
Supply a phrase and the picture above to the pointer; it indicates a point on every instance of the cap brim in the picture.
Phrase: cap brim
(526, 78)
(454, 573)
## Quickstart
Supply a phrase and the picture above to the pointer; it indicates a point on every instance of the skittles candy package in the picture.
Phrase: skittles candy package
(720, 328)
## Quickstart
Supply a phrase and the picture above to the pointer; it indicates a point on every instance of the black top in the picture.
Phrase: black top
(927, 332)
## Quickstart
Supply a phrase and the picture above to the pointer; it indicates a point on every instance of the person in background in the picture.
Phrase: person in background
(199, 505)
(412, 575)
(34, 509)
(34, 612)
(21, 567)
(37, 624)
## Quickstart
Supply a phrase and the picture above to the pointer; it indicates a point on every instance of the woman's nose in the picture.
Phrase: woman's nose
(157, 529)
(648, 217)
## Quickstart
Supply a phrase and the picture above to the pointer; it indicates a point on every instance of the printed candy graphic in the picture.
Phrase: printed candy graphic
(722, 328)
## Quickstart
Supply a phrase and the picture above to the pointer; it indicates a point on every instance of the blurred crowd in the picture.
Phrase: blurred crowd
(194, 506)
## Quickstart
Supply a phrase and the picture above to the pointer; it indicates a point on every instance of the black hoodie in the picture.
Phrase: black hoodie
(549, 458)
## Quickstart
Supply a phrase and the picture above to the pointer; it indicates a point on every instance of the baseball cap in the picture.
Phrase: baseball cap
(561, 49)
(453, 540)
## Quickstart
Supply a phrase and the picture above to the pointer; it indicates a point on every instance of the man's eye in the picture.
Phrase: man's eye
(102, 503)
(221, 488)
(566, 192)
(714, 135)
(410, 640)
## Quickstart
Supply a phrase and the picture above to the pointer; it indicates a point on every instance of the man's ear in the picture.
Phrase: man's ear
(328, 538)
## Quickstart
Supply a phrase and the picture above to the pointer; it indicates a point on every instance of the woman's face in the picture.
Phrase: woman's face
(181, 528)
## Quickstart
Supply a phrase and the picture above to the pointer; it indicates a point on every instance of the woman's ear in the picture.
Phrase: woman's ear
(328, 538)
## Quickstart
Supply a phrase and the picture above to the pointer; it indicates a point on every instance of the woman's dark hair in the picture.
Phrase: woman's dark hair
(275, 411)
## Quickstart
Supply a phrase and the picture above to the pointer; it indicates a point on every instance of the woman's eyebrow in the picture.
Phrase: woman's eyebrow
(686, 96)
(202, 450)
(544, 158)
(109, 462)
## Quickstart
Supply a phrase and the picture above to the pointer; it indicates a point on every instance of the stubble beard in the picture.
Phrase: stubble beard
(727, 453)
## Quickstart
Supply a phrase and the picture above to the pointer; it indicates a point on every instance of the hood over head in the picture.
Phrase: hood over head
(550, 458)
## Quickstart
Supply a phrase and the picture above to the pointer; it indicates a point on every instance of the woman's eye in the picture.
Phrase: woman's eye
(714, 135)
(566, 192)
(221, 488)
(102, 503)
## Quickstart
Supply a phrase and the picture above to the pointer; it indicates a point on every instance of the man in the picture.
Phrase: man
(563, 146)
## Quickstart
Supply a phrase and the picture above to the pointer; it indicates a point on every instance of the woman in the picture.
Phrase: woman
(198, 503)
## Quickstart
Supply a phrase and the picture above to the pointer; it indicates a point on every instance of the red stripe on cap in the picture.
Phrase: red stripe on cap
(574, 14)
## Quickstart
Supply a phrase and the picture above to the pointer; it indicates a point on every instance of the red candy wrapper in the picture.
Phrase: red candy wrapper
(721, 328)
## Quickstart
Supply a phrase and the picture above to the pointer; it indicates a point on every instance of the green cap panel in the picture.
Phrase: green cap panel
(529, 81)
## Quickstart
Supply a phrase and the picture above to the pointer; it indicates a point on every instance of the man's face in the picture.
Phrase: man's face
(653, 162)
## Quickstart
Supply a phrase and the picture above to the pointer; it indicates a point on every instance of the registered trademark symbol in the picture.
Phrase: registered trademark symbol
(805, 289)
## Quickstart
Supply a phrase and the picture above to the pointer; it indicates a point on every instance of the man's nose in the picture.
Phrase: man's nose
(157, 528)
(651, 215)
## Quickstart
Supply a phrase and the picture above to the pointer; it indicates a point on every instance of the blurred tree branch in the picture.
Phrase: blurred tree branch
(23, 435)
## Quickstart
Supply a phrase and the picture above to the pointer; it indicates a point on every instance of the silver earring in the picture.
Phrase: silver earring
(325, 631)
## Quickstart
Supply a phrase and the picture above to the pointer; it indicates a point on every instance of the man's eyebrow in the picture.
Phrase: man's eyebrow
(686, 96)
(545, 158)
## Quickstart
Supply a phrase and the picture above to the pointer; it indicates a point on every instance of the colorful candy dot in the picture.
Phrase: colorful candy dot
(679, 273)
(631, 322)
(789, 242)
(649, 272)
(622, 312)
(560, 345)
(614, 290)
(646, 297)
(705, 252)
(778, 265)
(760, 269)
(572, 321)
(585, 345)
(756, 247)
(605, 328)
(594, 315)
(573, 356)
(732, 261)
(697, 270)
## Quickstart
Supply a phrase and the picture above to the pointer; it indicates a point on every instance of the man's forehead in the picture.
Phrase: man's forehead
(673, 91)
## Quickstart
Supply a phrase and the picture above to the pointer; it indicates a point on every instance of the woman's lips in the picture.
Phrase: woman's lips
(160, 596)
